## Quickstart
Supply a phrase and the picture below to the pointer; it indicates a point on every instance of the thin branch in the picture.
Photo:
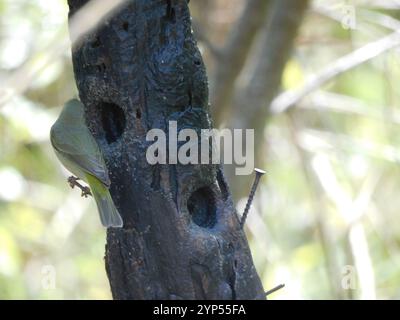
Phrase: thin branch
(234, 55)
(334, 102)
(332, 267)
(265, 79)
(289, 99)
(351, 210)
(366, 14)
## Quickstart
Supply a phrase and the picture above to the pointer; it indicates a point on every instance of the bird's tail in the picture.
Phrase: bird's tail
(109, 214)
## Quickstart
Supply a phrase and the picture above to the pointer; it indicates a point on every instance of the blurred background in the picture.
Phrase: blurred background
(317, 80)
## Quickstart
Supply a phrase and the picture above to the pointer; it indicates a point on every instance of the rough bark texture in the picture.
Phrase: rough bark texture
(181, 240)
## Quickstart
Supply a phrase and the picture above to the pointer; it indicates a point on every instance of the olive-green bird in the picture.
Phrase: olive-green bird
(78, 151)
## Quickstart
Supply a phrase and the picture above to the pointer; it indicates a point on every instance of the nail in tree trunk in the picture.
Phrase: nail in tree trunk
(138, 70)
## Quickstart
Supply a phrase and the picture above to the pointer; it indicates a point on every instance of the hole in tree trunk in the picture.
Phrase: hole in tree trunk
(113, 120)
(101, 67)
(201, 206)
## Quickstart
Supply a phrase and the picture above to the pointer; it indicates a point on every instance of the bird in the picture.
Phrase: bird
(79, 152)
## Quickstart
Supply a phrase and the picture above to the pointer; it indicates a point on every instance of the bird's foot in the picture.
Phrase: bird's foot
(86, 192)
(73, 181)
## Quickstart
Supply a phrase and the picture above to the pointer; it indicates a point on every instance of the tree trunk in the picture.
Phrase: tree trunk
(138, 70)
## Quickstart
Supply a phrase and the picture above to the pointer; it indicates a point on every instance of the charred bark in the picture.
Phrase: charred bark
(138, 70)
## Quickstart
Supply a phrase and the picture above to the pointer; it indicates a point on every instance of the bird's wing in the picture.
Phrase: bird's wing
(80, 147)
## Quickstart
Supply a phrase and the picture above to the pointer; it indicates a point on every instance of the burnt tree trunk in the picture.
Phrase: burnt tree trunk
(138, 70)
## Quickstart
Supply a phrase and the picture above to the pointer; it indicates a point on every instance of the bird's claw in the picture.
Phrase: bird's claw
(86, 192)
(72, 181)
